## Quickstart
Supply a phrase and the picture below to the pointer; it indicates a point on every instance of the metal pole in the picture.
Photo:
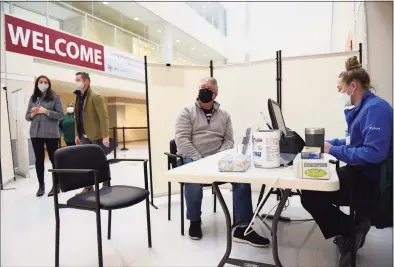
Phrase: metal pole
(277, 78)
(148, 121)
(280, 79)
(360, 53)
(211, 68)
(115, 139)
(124, 140)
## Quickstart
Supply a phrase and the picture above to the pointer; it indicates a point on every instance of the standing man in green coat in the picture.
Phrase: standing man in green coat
(91, 116)
(67, 126)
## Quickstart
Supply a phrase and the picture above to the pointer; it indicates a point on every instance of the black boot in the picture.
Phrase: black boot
(41, 190)
(51, 193)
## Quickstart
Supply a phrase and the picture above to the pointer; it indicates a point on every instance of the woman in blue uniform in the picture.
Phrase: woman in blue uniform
(367, 144)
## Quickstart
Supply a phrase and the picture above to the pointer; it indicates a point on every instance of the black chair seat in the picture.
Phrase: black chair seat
(113, 197)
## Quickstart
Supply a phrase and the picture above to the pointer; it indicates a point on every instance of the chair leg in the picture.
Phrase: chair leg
(182, 212)
(169, 201)
(99, 240)
(148, 223)
(57, 241)
(109, 224)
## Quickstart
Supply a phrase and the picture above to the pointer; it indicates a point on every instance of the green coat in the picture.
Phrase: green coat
(67, 127)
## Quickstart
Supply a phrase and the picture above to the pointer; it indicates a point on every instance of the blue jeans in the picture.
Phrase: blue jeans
(242, 197)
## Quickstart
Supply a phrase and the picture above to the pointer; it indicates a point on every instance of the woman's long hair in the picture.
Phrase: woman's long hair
(49, 95)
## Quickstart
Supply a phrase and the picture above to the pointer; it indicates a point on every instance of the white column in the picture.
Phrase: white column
(379, 17)
(167, 47)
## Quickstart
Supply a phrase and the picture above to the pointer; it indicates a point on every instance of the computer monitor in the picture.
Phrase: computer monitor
(277, 120)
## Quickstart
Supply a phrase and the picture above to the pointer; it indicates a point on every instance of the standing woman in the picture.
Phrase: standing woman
(67, 126)
(44, 112)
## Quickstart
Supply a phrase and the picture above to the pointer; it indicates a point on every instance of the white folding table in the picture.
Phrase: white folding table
(205, 171)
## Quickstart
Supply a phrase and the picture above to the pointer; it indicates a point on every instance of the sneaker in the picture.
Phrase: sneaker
(252, 238)
(345, 245)
(195, 232)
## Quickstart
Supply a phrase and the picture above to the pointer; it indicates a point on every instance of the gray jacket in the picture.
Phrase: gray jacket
(196, 138)
(43, 125)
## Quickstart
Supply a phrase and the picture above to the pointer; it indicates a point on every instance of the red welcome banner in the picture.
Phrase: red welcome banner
(27, 38)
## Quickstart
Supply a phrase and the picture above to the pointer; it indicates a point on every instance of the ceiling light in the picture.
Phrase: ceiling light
(105, 3)
(158, 30)
(205, 55)
(193, 48)
(136, 18)
(153, 48)
(177, 41)
(218, 61)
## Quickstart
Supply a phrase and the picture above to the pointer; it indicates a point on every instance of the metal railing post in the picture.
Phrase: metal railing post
(115, 139)
(124, 140)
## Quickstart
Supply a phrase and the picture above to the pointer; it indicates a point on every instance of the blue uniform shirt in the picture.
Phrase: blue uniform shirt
(370, 127)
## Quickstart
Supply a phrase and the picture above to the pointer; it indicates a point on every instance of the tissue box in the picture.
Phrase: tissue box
(315, 169)
(311, 153)
(234, 163)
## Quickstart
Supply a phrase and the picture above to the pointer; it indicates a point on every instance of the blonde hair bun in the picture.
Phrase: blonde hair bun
(352, 63)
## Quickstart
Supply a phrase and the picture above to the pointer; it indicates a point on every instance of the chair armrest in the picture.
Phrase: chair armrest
(134, 160)
(72, 171)
(173, 156)
(333, 161)
(145, 161)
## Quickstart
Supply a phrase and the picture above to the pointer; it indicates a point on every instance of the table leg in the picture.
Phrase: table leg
(226, 258)
(275, 221)
(228, 224)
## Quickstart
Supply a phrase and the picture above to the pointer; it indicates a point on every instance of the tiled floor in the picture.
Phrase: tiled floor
(28, 232)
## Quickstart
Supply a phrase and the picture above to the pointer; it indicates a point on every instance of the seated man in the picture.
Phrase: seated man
(202, 130)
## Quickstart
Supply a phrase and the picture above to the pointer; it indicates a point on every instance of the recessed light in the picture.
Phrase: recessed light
(105, 3)
(153, 48)
(136, 18)
(205, 55)
(177, 41)
(218, 61)
(158, 30)
(193, 48)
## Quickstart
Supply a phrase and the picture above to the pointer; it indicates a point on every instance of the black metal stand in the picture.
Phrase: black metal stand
(148, 121)
(211, 68)
(239, 262)
(124, 140)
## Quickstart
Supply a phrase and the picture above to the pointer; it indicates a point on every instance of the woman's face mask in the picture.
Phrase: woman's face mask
(43, 87)
(70, 109)
(344, 96)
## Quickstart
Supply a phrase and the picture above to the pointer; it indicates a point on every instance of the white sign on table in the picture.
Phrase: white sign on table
(123, 64)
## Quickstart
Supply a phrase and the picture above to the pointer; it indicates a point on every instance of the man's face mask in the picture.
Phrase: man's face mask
(205, 95)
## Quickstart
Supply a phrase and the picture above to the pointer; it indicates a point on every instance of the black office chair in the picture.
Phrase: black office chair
(80, 166)
(174, 161)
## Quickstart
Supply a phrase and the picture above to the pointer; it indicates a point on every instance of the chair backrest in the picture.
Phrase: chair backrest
(383, 216)
(80, 157)
(173, 151)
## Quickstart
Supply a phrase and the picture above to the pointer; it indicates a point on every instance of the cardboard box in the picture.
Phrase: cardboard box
(317, 169)
(311, 153)
(234, 163)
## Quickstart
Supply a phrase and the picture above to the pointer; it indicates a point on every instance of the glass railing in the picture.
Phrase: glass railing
(63, 16)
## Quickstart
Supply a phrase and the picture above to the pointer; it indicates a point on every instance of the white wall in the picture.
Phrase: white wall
(295, 28)
(379, 47)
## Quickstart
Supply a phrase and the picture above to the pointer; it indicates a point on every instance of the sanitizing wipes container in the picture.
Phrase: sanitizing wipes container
(266, 153)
